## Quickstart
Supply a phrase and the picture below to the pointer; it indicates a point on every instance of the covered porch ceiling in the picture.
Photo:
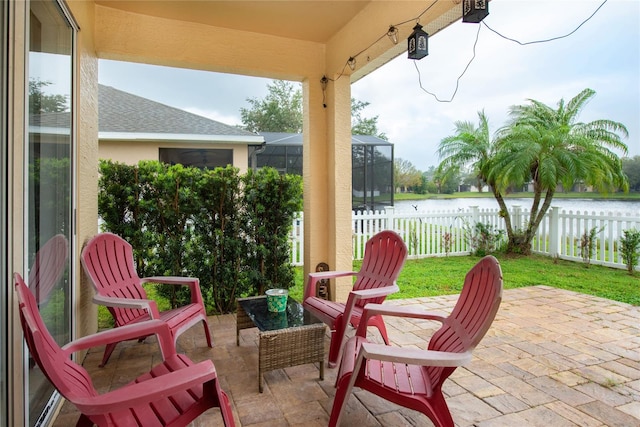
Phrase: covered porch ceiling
(345, 28)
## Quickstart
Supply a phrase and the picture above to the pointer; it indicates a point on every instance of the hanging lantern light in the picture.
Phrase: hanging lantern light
(418, 43)
(474, 10)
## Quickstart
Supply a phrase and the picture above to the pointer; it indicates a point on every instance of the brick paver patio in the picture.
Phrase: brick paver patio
(551, 358)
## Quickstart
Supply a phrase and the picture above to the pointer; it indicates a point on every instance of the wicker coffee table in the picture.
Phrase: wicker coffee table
(291, 338)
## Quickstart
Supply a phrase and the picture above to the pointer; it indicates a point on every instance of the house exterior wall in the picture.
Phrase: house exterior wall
(131, 152)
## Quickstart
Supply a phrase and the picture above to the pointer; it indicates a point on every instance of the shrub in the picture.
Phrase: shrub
(183, 221)
(588, 244)
(630, 248)
(483, 239)
(270, 201)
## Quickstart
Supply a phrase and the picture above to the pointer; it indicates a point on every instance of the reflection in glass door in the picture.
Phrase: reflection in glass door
(49, 180)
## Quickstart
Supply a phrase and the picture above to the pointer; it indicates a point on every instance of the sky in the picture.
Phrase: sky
(602, 54)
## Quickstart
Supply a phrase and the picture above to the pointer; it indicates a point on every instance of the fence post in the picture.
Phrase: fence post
(389, 211)
(516, 217)
(475, 219)
(554, 231)
(475, 215)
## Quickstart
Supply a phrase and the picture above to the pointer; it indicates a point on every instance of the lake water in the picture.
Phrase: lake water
(582, 205)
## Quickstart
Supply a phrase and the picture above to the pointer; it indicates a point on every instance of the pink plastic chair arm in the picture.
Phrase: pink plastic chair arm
(171, 280)
(413, 356)
(192, 282)
(331, 274)
(376, 292)
(391, 310)
(150, 306)
(149, 327)
(310, 290)
(149, 390)
(355, 296)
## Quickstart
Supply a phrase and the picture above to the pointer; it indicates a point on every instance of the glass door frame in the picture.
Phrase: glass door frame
(44, 418)
(4, 296)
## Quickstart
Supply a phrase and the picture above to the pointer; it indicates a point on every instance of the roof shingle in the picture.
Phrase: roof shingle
(124, 112)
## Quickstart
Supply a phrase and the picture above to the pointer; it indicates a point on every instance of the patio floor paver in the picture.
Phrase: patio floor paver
(551, 358)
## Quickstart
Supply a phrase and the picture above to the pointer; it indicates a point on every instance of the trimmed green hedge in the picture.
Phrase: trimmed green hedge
(229, 230)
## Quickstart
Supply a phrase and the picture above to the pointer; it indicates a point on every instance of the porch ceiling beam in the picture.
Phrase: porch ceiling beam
(125, 36)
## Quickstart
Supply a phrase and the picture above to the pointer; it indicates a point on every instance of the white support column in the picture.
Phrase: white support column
(327, 178)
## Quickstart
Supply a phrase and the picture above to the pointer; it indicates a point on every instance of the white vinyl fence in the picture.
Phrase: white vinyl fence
(450, 233)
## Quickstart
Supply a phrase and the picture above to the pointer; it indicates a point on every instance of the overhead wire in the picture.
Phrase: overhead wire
(549, 39)
(506, 38)
(457, 80)
(417, 19)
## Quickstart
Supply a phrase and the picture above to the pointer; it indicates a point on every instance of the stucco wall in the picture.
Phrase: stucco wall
(131, 152)
(86, 98)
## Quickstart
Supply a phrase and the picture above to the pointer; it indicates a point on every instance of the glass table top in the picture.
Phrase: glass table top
(295, 314)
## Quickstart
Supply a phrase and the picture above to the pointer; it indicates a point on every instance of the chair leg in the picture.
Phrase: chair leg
(225, 410)
(84, 421)
(337, 335)
(220, 399)
(207, 333)
(439, 411)
(378, 322)
(107, 353)
(343, 391)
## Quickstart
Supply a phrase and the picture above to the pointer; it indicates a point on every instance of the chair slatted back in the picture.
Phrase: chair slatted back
(472, 315)
(108, 260)
(69, 378)
(384, 256)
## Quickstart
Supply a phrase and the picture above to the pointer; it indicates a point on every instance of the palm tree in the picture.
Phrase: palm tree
(548, 147)
(470, 146)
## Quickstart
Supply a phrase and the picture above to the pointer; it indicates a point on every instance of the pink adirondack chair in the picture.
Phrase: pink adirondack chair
(108, 261)
(413, 378)
(48, 267)
(384, 256)
(173, 393)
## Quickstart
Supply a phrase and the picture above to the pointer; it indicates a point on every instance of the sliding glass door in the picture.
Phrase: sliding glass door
(48, 180)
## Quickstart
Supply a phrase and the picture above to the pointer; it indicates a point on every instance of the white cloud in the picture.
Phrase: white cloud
(227, 119)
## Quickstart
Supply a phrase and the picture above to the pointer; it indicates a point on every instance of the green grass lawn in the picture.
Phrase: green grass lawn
(445, 275)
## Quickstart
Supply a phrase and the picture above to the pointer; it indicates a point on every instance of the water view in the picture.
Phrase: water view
(582, 205)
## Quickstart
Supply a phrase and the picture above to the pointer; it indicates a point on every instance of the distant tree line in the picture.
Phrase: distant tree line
(631, 168)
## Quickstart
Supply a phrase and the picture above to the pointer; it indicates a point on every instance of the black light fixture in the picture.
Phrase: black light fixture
(418, 43)
(323, 83)
(352, 63)
(474, 10)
